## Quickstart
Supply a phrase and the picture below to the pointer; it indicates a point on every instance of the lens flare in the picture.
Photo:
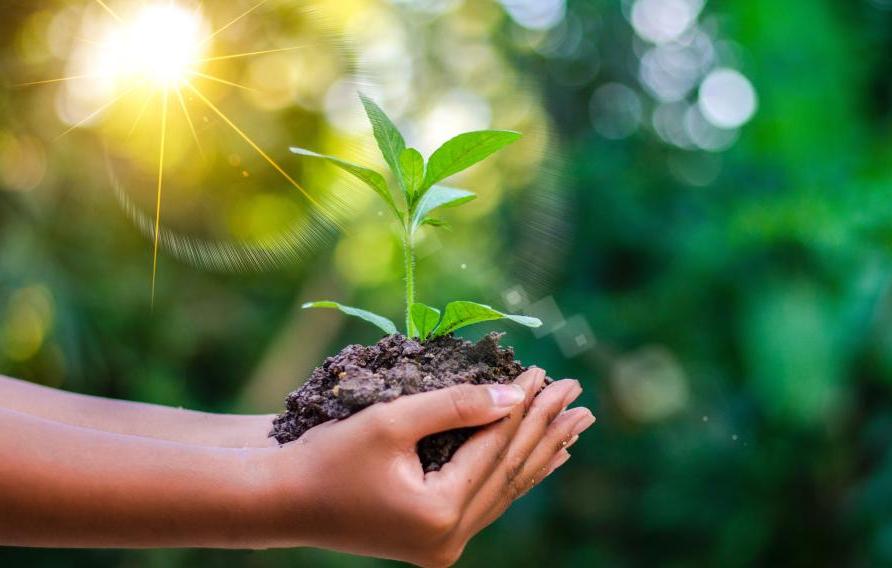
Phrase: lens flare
(157, 53)
(162, 44)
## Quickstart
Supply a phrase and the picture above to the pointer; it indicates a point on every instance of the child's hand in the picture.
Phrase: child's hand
(357, 485)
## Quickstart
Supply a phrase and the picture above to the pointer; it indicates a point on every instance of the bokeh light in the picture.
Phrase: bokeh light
(536, 14)
(22, 162)
(27, 321)
(698, 99)
(662, 21)
(616, 111)
(650, 385)
(727, 98)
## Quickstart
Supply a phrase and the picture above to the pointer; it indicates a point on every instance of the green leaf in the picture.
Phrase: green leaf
(390, 141)
(385, 324)
(372, 178)
(439, 196)
(434, 222)
(425, 319)
(412, 168)
(464, 151)
(461, 314)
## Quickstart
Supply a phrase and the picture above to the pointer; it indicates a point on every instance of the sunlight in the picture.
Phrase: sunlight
(155, 53)
(162, 44)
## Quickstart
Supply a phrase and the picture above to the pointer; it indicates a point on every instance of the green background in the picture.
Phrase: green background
(727, 310)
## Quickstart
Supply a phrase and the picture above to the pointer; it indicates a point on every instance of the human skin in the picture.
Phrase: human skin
(136, 418)
(354, 485)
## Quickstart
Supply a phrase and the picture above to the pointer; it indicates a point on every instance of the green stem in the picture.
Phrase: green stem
(409, 260)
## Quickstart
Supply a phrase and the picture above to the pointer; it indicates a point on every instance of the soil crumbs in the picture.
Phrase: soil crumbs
(360, 376)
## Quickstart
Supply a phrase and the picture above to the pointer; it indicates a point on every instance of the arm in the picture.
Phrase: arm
(354, 485)
(134, 418)
(65, 486)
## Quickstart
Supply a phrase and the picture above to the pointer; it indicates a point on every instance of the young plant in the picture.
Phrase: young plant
(421, 194)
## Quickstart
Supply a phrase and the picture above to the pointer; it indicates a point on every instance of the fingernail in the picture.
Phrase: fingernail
(583, 424)
(569, 443)
(536, 375)
(506, 395)
(531, 381)
(561, 461)
(538, 379)
(572, 394)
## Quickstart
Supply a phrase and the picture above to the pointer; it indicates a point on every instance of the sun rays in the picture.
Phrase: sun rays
(162, 48)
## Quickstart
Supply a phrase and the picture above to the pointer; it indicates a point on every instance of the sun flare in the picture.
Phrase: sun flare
(163, 44)
(155, 54)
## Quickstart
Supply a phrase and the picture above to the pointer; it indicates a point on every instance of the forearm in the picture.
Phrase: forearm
(64, 486)
(133, 418)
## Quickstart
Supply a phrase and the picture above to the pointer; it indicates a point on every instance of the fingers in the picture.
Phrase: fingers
(561, 458)
(419, 415)
(503, 471)
(542, 413)
(475, 460)
(548, 455)
(562, 434)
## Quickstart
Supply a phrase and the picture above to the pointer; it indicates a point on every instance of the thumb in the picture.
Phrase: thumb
(454, 407)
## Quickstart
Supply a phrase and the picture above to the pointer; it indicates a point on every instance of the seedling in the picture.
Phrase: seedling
(418, 184)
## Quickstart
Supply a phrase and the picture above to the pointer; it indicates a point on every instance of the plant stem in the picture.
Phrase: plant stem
(409, 260)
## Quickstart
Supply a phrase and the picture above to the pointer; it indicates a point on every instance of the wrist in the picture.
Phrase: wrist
(242, 431)
(274, 503)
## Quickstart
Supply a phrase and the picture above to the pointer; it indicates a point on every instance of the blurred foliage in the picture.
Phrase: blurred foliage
(715, 265)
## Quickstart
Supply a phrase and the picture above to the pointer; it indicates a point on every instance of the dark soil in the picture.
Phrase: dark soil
(362, 375)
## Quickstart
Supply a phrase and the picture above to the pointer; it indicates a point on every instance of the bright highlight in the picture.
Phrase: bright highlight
(162, 44)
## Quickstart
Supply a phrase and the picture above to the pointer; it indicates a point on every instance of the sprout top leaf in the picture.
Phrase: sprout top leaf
(390, 140)
(412, 169)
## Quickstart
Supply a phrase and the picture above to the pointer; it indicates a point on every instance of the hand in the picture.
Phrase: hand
(358, 486)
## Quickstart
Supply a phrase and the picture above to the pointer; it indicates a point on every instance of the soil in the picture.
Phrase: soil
(362, 375)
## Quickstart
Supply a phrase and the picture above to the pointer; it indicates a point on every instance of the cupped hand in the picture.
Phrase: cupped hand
(357, 485)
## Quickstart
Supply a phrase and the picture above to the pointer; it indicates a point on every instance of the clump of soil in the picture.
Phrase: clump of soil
(362, 375)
